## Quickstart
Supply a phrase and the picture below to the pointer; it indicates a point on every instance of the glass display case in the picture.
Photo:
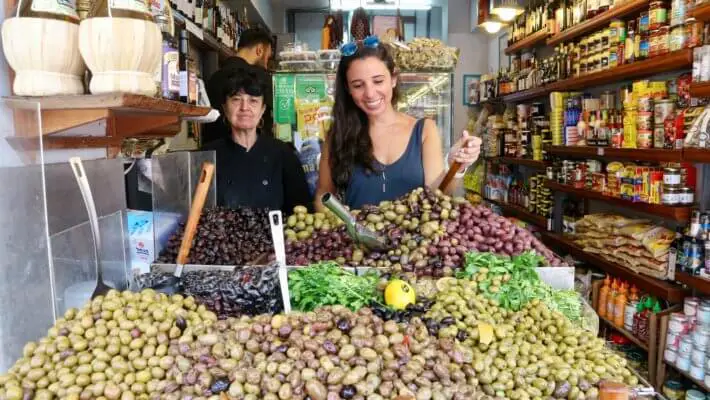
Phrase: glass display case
(303, 104)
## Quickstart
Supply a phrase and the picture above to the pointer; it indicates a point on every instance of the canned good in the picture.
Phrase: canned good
(645, 104)
(686, 346)
(662, 40)
(644, 139)
(673, 390)
(697, 371)
(644, 46)
(683, 363)
(671, 176)
(701, 337)
(659, 137)
(644, 121)
(687, 196)
(690, 306)
(704, 314)
(670, 355)
(678, 323)
(670, 196)
(676, 40)
(643, 23)
(663, 109)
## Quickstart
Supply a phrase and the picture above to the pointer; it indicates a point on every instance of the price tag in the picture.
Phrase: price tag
(194, 29)
(600, 151)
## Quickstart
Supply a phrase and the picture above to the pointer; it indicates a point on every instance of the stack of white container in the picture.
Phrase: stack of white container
(688, 339)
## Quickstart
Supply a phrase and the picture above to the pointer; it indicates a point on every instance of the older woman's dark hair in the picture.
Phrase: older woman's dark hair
(349, 142)
(243, 80)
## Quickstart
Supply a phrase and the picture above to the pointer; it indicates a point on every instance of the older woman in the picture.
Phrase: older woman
(254, 170)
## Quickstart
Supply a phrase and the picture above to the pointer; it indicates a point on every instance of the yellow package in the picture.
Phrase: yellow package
(325, 118)
(307, 120)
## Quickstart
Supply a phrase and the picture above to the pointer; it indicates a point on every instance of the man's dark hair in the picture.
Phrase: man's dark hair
(252, 37)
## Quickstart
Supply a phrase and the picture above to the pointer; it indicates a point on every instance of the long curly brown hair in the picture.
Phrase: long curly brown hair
(349, 142)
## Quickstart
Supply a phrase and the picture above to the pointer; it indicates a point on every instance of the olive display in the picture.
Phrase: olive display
(332, 353)
(532, 353)
(301, 225)
(247, 290)
(224, 237)
(430, 232)
(116, 347)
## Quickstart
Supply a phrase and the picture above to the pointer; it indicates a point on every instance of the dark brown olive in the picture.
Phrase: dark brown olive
(348, 392)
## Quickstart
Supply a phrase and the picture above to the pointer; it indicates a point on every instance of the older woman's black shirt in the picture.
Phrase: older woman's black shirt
(269, 175)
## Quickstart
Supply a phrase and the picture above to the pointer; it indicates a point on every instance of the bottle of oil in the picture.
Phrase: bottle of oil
(48, 9)
(136, 9)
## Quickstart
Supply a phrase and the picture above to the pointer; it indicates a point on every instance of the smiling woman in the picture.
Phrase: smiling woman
(254, 170)
(373, 152)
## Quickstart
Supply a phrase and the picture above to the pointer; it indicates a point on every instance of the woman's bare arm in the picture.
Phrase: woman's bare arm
(433, 158)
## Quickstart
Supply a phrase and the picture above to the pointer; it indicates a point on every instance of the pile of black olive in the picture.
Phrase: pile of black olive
(412, 310)
(224, 237)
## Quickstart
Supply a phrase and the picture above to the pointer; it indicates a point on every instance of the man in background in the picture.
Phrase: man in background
(255, 48)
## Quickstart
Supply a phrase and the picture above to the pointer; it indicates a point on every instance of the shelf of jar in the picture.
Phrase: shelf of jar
(681, 59)
(528, 42)
(599, 21)
(663, 289)
(537, 164)
(656, 155)
(521, 213)
(694, 282)
(700, 12)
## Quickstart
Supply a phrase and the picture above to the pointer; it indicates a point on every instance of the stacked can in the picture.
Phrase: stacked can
(540, 196)
(557, 117)
(663, 113)
(688, 339)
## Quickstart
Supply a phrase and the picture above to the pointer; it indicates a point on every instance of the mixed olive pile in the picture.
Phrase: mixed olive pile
(301, 225)
(224, 237)
(430, 232)
(531, 353)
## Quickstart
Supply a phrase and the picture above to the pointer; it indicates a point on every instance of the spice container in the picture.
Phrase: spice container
(686, 346)
(657, 14)
(697, 371)
(683, 362)
(687, 196)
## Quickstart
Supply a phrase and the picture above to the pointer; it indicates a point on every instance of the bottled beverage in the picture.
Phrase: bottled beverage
(182, 62)
(169, 67)
(611, 299)
(136, 9)
(53, 9)
(603, 294)
(620, 305)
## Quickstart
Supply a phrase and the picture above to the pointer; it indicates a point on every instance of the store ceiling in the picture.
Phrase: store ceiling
(315, 4)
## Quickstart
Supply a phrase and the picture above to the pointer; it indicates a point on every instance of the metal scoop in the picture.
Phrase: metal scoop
(356, 231)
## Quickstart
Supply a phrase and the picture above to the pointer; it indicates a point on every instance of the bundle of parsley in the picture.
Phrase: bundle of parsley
(327, 283)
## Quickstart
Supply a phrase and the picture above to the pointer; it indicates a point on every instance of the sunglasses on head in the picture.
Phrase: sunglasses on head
(348, 49)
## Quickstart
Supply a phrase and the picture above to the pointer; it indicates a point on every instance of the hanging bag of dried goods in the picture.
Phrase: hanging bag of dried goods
(360, 25)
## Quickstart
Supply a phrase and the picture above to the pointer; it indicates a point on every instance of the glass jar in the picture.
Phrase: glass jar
(663, 40)
(687, 196)
(671, 177)
(644, 46)
(670, 196)
(657, 14)
(643, 23)
(677, 38)
(673, 390)
(694, 32)
(653, 43)
(678, 10)
(686, 346)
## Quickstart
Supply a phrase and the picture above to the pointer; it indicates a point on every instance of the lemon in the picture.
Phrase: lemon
(398, 294)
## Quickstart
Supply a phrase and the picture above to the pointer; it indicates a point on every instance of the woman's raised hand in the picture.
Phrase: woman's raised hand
(465, 151)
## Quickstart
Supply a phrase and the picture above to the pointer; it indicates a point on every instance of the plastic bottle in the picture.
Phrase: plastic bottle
(620, 306)
(630, 308)
(603, 294)
(611, 297)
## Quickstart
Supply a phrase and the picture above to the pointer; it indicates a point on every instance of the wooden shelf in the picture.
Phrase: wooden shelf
(701, 12)
(700, 384)
(624, 332)
(667, 212)
(202, 38)
(666, 290)
(529, 42)
(696, 155)
(519, 161)
(126, 115)
(606, 153)
(521, 213)
(676, 60)
(700, 89)
(598, 22)
(694, 282)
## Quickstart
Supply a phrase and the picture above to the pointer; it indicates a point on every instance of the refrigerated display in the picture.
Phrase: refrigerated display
(303, 104)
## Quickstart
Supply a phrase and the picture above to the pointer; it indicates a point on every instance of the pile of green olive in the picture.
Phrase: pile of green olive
(528, 354)
(301, 224)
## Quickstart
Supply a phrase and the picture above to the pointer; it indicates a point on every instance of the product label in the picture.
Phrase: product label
(59, 7)
(309, 155)
(171, 74)
(310, 88)
(671, 262)
(130, 5)
(284, 91)
(184, 83)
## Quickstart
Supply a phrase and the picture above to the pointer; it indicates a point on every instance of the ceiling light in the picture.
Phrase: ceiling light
(507, 10)
(349, 5)
(492, 26)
